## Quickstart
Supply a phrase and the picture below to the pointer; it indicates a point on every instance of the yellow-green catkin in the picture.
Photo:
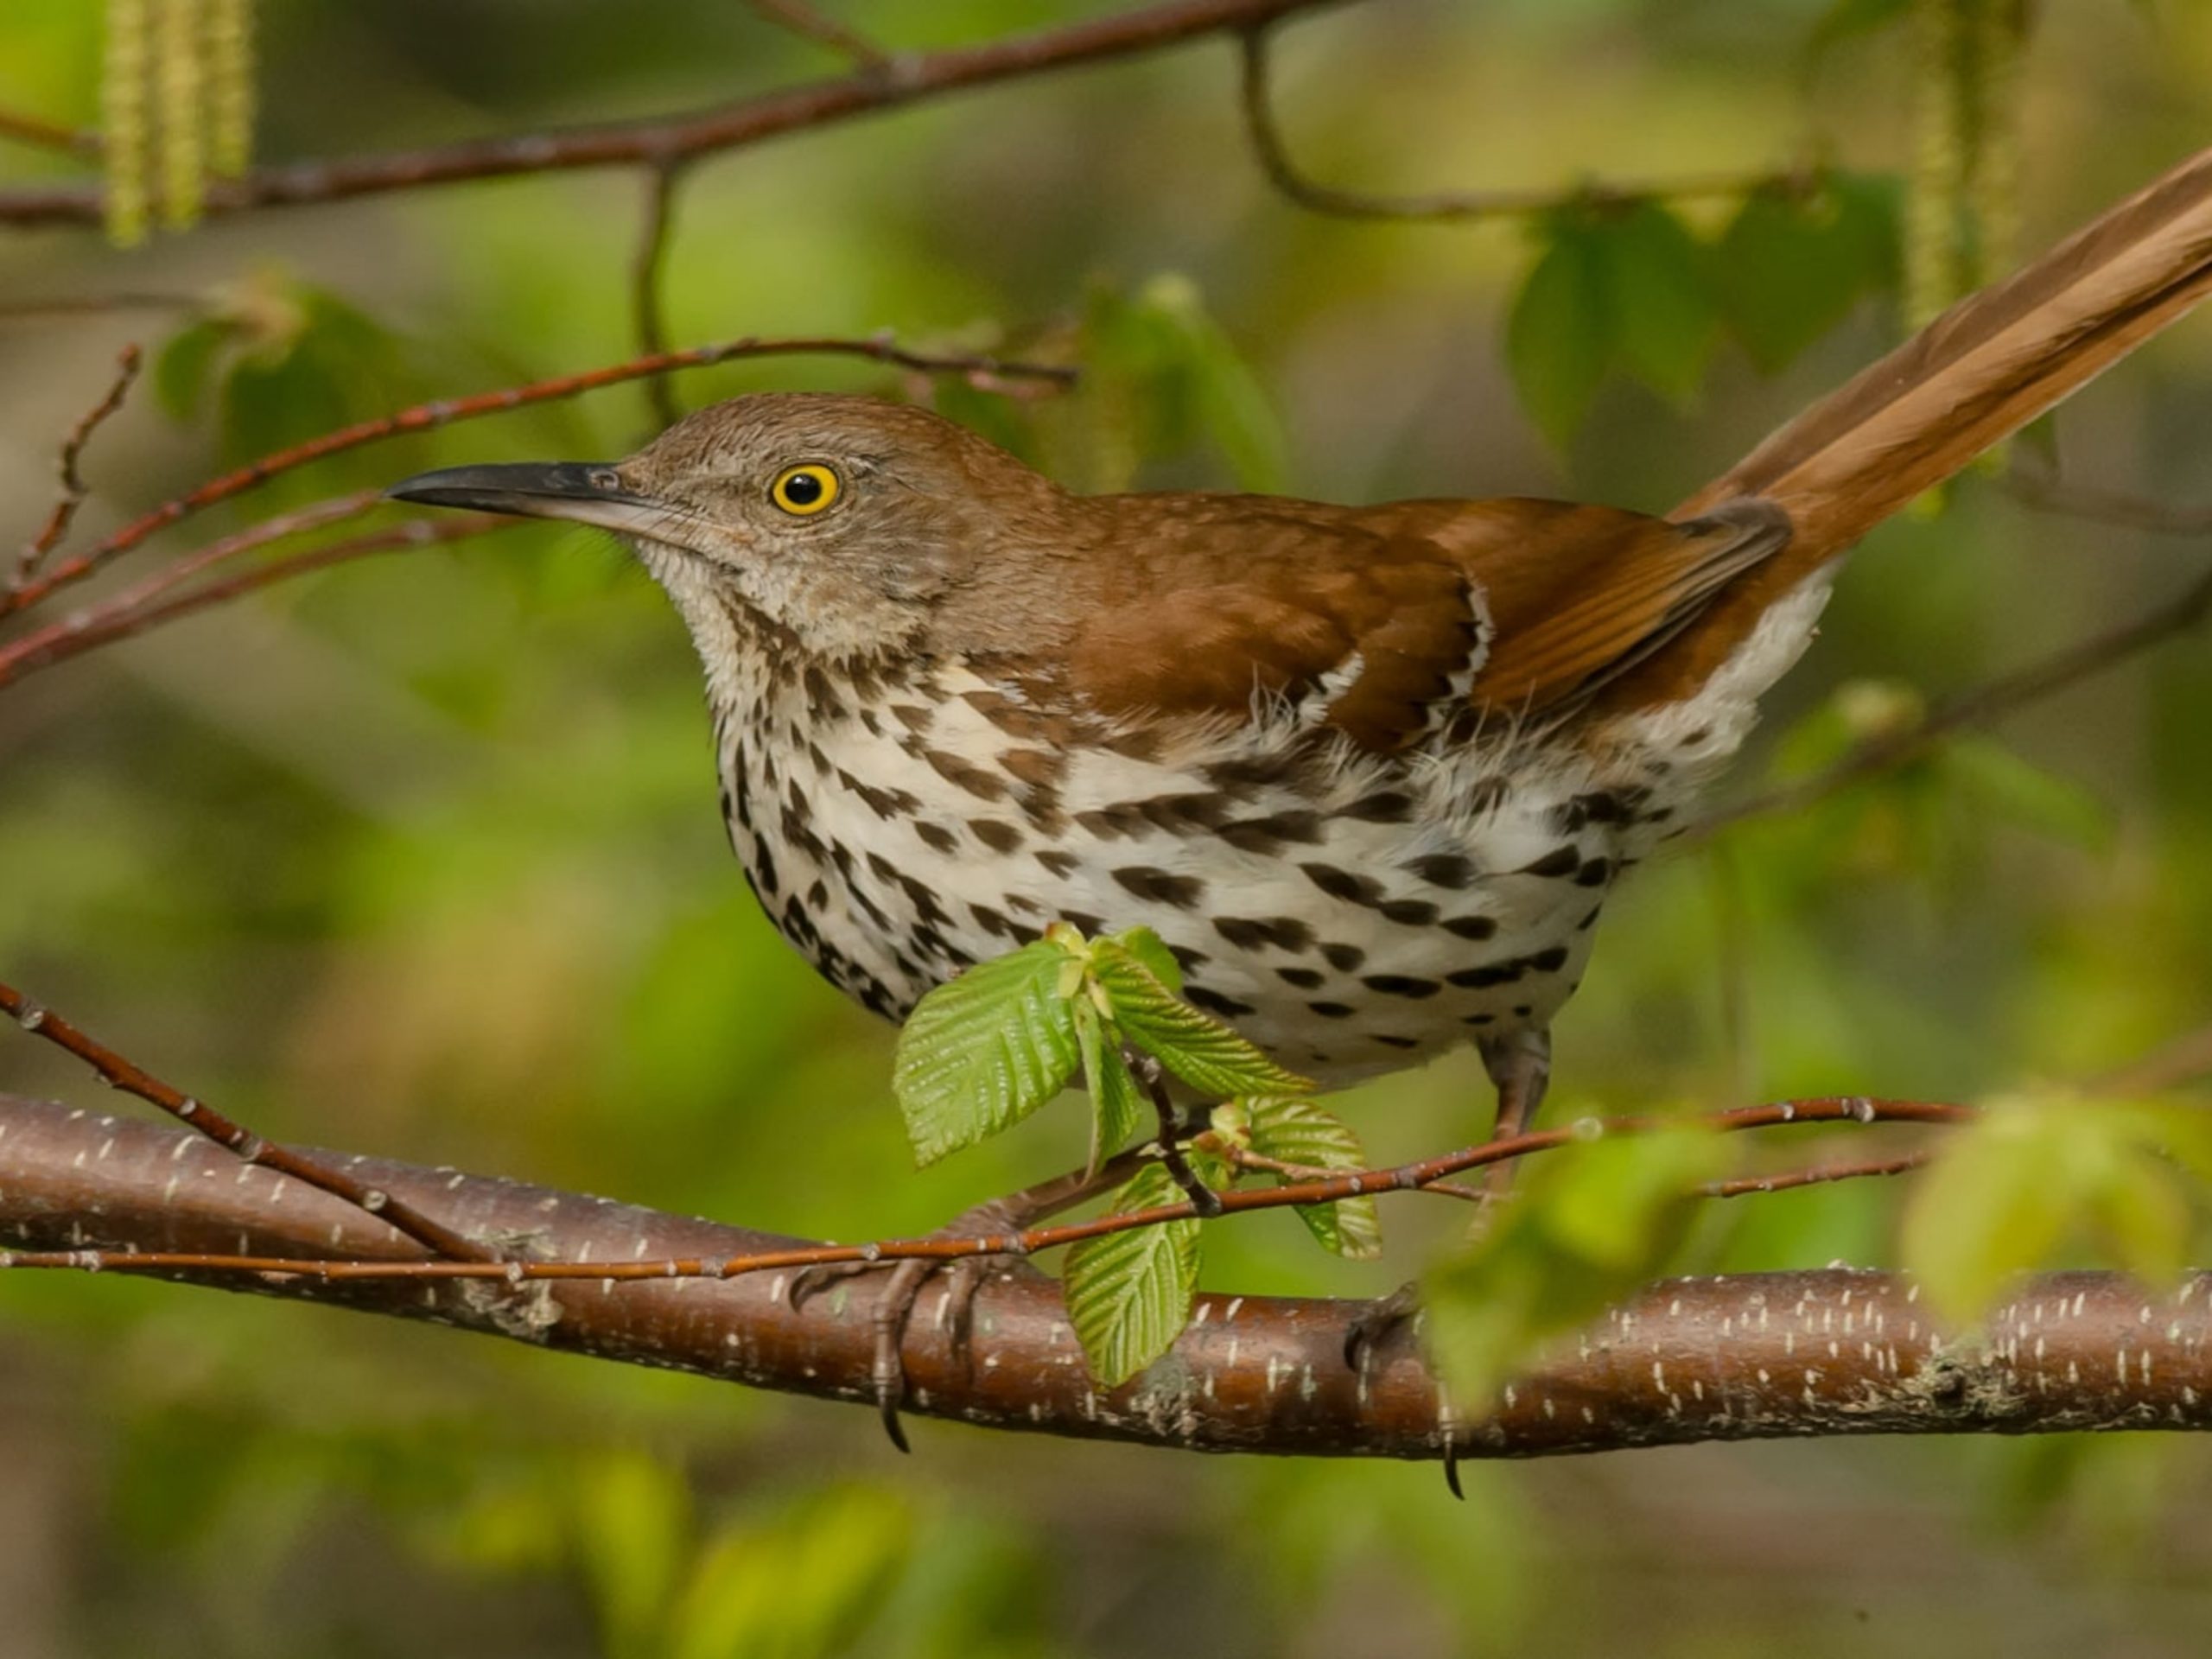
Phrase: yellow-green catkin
(178, 88)
(125, 120)
(1936, 198)
(229, 37)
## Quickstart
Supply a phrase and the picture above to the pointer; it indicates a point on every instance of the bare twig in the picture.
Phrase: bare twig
(73, 488)
(1274, 155)
(121, 618)
(648, 269)
(114, 1070)
(1328, 1188)
(730, 126)
(1982, 706)
(49, 134)
(803, 20)
(2186, 1059)
(984, 370)
(94, 305)
(2106, 507)
(1744, 1186)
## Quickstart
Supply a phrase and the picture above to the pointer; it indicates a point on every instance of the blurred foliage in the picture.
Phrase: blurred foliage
(420, 856)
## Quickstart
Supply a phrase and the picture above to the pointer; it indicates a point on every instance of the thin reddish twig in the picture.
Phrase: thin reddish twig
(113, 1068)
(901, 81)
(806, 21)
(445, 411)
(103, 624)
(1350, 1185)
(49, 134)
(1256, 102)
(128, 362)
(1745, 1186)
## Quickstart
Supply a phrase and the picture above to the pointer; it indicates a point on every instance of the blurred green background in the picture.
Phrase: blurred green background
(420, 857)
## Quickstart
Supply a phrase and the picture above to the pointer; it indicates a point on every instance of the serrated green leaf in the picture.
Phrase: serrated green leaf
(1195, 1046)
(1591, 1222)
(1299, 1132)
(984, 1050)
(1147, 948)
(1116, 1104)
(1660, 298)
(1128, 1294)
(1558, 337)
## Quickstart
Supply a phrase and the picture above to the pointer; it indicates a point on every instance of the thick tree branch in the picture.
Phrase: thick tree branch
(1756, 1357)
(891, 84)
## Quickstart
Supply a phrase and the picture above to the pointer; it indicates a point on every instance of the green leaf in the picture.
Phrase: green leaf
(1195, 1046)
(1591, 1222)
(185, 362)
(631, 1516)
(2024, 792)
(1148, 949)
(984, 1050)
(1558, 337)
(1299, 1132)
(1117, 1106)
(1788, 268)
(1661, 302)
(1128, 1294)
(2009, 1190)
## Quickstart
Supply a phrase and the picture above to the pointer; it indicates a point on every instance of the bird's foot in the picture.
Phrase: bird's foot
(901, 1286)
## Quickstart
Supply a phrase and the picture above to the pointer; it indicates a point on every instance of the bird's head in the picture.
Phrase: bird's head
(840, 519)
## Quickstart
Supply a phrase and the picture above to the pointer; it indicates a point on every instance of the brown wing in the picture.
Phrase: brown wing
(1290, 599)
(1389, 614)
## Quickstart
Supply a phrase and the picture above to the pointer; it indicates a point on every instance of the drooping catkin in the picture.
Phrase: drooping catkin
(179, 88)
(178, 93)
(125, 118)
(229, 35)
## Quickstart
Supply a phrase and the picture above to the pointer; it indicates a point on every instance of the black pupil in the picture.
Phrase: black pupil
(803, 489)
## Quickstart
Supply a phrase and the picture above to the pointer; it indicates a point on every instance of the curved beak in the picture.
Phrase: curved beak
(586, 491)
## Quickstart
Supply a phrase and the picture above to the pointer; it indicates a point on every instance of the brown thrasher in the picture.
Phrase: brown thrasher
(1370, 772)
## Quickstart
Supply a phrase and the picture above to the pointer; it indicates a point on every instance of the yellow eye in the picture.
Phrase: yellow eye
(804, 490)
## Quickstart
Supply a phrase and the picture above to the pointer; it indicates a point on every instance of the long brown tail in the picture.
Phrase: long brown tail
(1977, 373)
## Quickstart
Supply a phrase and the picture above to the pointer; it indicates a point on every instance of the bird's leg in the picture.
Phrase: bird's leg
(902, 1287)
(1520, 1066)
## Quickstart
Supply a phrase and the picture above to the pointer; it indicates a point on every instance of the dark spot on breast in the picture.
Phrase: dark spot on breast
(1472, 927)
(1214, 1003)
(1039, 768)
(913, 717)
(1186, 958)
(1477, 979)
(1388, 1041)
(817, 896)
(1330, 1010)
(884, 803)
(1410, 912)
(1594, 872)
(1343, 884)
(1285, 933)
(1478, 1019)
(1402, 985)
(1589, 921)
(1060, 864)
(999, 837)
(1149, 882)
(1444, 869)
(996, 923)
(1272, 834)
(1549, 962)
(1560, 861)
(1345, 958)
(936, 836)
(963, 773)
(1306, 979)
(1084, 922)
(1384, 806)
(764, 873)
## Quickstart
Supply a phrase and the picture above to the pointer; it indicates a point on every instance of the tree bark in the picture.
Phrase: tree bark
(1759, 1356)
